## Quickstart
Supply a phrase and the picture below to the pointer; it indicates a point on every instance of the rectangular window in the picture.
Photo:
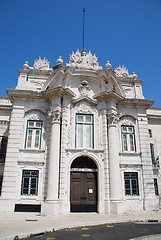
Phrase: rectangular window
(156, 186)
(3, 148)
(1, 180)
(150, 133)
(29, 184)
(152, 153)
(128, 138)
(33, 134)
(84, 131)
(131, 184)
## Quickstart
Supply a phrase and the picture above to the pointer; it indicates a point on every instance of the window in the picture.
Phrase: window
(152, 153)
(128, 138)
(29, 182)
(150, 133)
(131, 184)
(84, 131)
(3, 148)
(33, 134)
(1, 180)
(156, 186)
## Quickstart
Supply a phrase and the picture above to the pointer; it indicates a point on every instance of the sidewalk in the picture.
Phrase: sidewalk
(24, 224)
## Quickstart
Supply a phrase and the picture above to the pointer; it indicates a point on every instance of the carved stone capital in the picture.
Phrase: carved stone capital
(56, 116)
(113, 119)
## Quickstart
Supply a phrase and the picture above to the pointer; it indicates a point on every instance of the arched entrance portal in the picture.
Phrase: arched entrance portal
(83, 185)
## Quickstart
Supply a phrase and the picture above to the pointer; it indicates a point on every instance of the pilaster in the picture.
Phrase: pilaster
(115, 175)
(106, 160)
(53, 171)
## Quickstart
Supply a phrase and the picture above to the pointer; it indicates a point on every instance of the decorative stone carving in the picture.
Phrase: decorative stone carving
(59, 61)
(113, 119)
(127, 120)
(26, 65)
(38, 84)
(41, 64)
(34, 115)
(122, 72)
(84, 88)
(108, 66)
(84, 107)
(84, 60)
(56, 116)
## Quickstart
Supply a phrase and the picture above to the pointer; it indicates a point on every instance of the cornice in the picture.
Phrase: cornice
(137, 102)
(58, 91)
(35, 72)
(108, 95)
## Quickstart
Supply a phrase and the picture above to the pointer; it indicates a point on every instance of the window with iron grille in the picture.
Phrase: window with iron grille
(84, 131)
(1, 180)
(156, 186)
(150, 133)
(33, 134)
(3, 148)
(152, 153)
(29, 185)
(128, 138)
(131, 183)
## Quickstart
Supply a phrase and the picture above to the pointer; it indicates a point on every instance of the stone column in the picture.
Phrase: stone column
(53, 168)
(115, 176)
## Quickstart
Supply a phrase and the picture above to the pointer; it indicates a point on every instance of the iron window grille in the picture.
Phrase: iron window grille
(29, 182)
(156, 187)
(150, 133)
(131, 184)
(33, 134)
(3, 148)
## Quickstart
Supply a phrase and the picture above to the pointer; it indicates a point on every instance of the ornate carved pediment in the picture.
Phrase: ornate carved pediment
(84, 107)
(84, 60)
(34, 115)
(127, 120)
(41, 64)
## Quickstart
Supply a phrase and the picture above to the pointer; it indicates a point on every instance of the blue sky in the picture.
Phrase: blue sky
(126, 32)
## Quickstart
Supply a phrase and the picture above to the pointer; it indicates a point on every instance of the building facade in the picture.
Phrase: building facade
(79, 138)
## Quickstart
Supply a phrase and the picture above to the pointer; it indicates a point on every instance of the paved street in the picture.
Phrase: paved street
(120, 231)
(26, 224)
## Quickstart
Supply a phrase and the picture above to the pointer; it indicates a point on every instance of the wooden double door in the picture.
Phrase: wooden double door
(83, 192)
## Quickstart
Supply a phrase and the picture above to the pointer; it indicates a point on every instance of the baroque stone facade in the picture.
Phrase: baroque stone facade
(79, 138)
